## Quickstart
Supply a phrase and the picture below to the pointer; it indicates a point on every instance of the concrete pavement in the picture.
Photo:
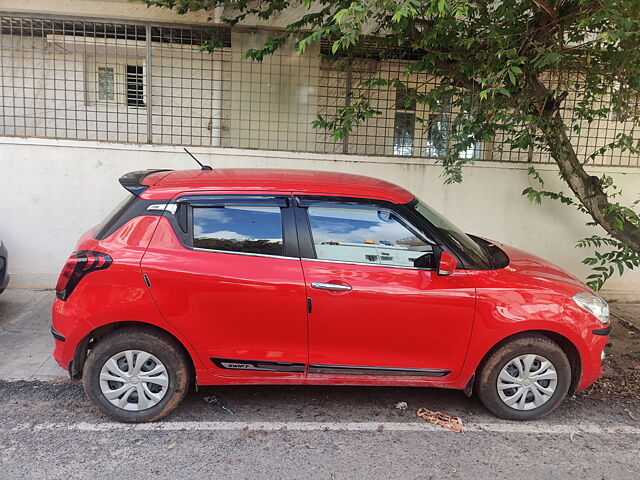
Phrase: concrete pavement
(26, 344)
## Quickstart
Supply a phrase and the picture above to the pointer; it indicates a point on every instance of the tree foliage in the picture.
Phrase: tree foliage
(535, 72)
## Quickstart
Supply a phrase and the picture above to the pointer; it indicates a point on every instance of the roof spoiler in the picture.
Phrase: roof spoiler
(132, 181)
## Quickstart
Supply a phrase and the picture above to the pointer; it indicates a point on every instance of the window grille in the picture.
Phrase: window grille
(145, 83)
(135, 86)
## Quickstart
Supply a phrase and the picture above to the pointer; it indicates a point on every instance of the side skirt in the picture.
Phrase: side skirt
(392, 371)
(258, 365)
(289, 367)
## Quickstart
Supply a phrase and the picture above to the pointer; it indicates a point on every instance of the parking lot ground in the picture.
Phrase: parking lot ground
(48, 430)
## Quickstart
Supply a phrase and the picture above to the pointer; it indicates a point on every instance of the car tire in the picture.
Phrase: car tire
(512, 391)
(150, 368)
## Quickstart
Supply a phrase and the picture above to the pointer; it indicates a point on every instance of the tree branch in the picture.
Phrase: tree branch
(587, 188)
(552, 12)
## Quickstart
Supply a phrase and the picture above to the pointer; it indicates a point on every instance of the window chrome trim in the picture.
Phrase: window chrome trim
(244, 253)
(368, 264)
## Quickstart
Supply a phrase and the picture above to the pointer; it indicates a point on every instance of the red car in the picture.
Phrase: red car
(248, 276)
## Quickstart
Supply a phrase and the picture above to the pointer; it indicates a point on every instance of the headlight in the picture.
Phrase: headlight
(593, 304)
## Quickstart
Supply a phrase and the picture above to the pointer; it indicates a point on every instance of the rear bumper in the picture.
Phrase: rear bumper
(67, 332)
(57, 335)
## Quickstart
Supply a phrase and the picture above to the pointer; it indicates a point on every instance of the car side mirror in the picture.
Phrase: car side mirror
(424, 261)
(447, 264)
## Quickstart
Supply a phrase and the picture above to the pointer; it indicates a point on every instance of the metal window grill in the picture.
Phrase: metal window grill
(145, 83)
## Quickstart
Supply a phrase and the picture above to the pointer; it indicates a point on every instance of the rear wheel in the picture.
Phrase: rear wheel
(524, 379)
(136, 375)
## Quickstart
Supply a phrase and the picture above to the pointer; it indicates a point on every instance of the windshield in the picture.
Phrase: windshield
(473, 254)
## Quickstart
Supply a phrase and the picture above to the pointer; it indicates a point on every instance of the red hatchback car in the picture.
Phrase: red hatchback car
(248, 276)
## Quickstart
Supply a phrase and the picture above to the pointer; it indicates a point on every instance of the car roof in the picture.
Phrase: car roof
(254, 180)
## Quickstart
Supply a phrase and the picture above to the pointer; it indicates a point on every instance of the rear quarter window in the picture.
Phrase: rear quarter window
(104, 228)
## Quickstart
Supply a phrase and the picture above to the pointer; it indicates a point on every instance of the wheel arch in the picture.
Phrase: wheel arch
(567, 346)
(93, 337)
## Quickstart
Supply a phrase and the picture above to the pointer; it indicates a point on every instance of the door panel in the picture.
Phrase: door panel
(391, 317)
(245, 314)
(371, 307)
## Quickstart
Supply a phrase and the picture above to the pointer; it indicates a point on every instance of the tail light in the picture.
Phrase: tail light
(79, 264)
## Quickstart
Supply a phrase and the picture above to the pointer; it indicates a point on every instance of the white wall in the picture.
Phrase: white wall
(53, 190)
(273, 102)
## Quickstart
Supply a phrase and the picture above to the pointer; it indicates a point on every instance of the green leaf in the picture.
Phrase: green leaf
(617, 223)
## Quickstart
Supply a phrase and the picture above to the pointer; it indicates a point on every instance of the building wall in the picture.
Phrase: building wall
(48, 87)
(273, 102)
(113, 9)
(54, 190)
(50, 78)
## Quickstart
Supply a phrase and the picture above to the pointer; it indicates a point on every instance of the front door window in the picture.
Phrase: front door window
(365, 234)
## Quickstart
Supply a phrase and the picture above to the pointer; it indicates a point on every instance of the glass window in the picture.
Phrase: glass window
(135, 86)
(106, 84)
(438, 135)
(472, 151)
(438, 132)
(100, 231)
(403, 133)
(238, 229)
(473, 254)
(365, 234)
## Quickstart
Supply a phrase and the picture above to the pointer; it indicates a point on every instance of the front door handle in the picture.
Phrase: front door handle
(335, 287)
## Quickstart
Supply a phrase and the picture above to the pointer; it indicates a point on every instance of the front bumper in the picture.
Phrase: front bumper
(603, 332)
(592, 363)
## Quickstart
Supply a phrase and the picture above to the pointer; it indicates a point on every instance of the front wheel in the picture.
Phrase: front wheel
(524, 379)
(136, 375)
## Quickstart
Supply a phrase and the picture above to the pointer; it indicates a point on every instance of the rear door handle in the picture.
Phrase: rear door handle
(335, 287)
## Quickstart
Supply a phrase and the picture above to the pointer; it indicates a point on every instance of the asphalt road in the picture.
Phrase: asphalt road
(49, 430)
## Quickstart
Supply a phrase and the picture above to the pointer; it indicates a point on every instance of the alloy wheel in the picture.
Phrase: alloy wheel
(134, 380)
(527, 382)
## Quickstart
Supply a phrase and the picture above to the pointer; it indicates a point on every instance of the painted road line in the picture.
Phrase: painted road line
(523, 428)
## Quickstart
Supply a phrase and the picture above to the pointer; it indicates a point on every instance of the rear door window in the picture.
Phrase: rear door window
(239, 228)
